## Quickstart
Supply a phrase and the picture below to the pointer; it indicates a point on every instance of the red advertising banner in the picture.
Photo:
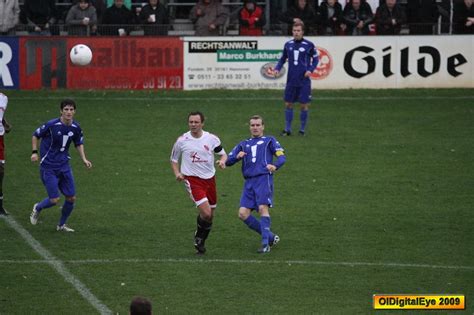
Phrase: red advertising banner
(117, 63)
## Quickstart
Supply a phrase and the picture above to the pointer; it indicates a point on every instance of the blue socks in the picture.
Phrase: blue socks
(303, 119)
(288, 118)
(44, 204)
(255, 225)
(265, 223)
(66, 211)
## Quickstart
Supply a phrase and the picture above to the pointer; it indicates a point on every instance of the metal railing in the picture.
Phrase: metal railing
(180, 27)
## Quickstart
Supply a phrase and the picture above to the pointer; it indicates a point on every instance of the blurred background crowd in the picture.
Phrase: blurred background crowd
(230, 17)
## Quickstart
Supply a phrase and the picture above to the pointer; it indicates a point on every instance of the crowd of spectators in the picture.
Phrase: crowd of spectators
(211, 17)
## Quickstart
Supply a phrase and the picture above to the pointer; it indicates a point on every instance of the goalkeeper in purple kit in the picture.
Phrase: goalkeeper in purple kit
(256, 154)
(302, 59)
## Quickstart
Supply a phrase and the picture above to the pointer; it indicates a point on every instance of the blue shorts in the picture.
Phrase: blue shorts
(300, 94)
(257, 191)
(58, 180)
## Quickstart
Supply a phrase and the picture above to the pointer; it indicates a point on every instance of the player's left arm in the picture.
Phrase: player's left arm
(82, 154)
(3, 107)
(313, 52)
(79, 143)
(6, 125)
(279, 153)
(219, 150)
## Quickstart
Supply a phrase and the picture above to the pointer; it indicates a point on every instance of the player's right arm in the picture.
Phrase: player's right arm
(174, 159)
(34, 149)
(281, 62)
(235, 155)
(175, 167)
(38, 134)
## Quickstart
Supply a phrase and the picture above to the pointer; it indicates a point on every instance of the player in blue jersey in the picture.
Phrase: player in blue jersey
(302, 59)
(256, 154)
(56, 136)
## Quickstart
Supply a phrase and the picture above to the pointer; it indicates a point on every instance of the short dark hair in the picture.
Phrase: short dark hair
(257, 117)
(66, 102)
(201, 115)
(299, 23)
(140, 306)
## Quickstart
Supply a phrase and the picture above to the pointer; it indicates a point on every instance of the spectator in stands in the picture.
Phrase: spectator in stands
(99, 6)
(40, 15)
(422, 16)
(118, 17)
(330, 14)
(155, 19)
(301, 11)
(9, 15)
(82, 19)
(208, 16)
(357, 16)
(251, 19)
(140, 306)
(463, 17)
(389, 18)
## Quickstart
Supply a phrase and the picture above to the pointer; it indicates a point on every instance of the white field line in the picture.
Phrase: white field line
(58, 265)
(127, 98)
(244, 262)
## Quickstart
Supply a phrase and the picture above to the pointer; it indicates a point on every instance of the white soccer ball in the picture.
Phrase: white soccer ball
(81, 55)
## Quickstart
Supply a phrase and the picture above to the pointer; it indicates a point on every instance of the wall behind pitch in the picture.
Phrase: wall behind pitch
(118, 63)
(9, 69)
(235, 62)
(345, 62)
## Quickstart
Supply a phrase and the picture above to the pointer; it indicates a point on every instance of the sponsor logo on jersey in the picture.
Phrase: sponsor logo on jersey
(195, 158)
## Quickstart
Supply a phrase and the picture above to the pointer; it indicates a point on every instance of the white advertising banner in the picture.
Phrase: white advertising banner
(347, 62)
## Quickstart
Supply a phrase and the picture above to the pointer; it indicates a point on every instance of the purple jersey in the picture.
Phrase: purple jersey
(302, 56)
(259, 153)
(55, 140)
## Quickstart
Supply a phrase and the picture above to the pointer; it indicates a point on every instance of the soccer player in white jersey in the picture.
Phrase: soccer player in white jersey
(196, 148)
(4, 128)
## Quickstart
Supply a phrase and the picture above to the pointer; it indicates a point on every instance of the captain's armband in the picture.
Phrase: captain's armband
(279, 153)
(219, 150)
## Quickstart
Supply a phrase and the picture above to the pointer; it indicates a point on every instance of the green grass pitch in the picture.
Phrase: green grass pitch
(377, 198)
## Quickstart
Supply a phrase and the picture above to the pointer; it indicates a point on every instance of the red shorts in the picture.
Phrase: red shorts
(201, 190)
(2, 150)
